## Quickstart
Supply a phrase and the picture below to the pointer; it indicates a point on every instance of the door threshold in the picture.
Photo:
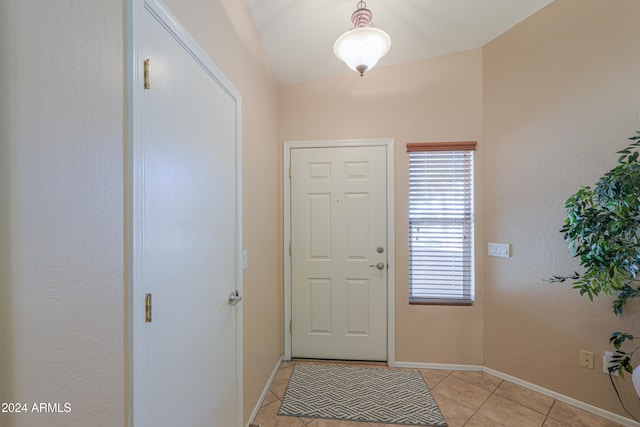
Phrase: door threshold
(340, 361)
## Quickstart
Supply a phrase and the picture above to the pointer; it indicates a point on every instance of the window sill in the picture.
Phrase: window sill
(451, 303)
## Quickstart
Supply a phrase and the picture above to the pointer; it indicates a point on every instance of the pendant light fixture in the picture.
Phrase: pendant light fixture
(362, 46)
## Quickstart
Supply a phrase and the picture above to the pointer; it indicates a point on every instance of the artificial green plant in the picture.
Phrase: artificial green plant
(603, 230)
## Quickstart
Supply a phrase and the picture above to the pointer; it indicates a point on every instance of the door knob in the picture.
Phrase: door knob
(379, 265)
(234, 298)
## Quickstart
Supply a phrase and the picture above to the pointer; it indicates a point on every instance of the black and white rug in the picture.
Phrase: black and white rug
(360, 394)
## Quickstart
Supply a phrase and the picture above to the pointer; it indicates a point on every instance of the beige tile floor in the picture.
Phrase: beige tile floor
(470, 399)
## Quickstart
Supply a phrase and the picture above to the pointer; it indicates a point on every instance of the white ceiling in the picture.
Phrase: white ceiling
(298, 35)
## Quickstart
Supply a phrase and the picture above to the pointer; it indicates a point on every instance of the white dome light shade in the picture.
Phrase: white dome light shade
(361, 48)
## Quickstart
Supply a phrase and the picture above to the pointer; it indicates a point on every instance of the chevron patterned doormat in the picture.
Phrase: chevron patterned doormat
(360, 394)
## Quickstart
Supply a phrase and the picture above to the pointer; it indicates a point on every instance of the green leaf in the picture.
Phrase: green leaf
(602, 230)
(618, 338)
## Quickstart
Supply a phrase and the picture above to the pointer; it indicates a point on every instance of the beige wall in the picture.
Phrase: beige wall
(61, 210)
(5, 212)
(62, 193)
(224, 29)
(560, 97)
(433, 100)
(549, 103)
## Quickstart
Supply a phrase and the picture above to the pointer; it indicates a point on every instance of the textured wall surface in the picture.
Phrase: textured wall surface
(549, 103)
(62, 200)
(433, 100)
(6, 358)
(560, 98)
(62, 193)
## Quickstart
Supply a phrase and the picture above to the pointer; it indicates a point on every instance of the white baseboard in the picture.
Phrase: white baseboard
(264, 392)
(441, 366)
(478, 368)
(566, 399)
(561, 397)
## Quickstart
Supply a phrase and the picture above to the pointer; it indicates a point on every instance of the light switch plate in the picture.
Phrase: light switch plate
(502, 250)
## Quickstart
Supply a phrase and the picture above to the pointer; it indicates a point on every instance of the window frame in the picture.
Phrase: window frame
(467, 298)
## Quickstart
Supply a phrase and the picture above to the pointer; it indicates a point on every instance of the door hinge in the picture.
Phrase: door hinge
(147, 82)
(147, 308)
(290, 250)
(290, 326)
(289, 171)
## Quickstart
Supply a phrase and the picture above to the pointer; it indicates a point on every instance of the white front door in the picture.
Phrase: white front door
(339, 253)
(190, 220)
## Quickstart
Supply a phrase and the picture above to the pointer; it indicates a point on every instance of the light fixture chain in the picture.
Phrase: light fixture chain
(362, 16)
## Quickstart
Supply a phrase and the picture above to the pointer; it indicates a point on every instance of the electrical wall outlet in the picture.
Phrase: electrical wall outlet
(586, 359)
(606, 362)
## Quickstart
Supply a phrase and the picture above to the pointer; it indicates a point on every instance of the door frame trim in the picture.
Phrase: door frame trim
(135, 393)
(388, 143)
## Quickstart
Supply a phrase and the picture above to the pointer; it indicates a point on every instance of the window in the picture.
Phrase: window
(441, 223)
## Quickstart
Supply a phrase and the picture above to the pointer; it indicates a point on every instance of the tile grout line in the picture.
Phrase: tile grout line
(278, 400)
(483, 402)
(548, 414)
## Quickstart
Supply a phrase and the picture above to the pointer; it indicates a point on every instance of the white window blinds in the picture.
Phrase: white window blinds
(441, 222)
